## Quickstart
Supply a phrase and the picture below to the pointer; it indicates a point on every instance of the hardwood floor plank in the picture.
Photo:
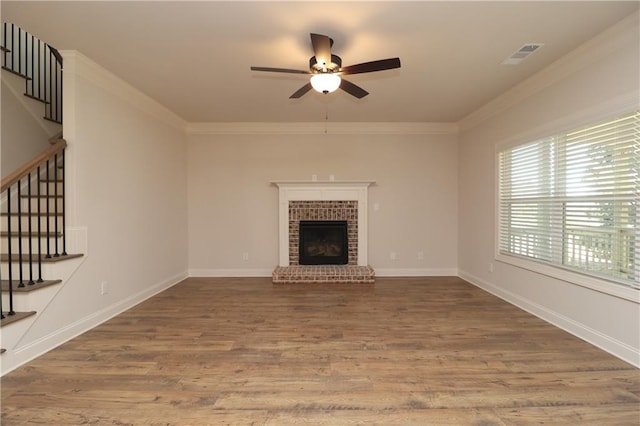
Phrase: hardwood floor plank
(607, 414)
(405, 351)
(399, 417)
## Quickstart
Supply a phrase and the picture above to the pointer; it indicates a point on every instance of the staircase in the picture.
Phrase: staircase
(39, 64)
(32, 198)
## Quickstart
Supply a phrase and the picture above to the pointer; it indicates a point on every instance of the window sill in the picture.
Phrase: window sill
(607, 287)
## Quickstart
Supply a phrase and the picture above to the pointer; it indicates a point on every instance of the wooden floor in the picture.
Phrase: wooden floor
(414, 351)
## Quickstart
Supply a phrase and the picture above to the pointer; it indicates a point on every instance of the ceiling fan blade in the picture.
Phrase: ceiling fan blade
(380, 65)
(352, 89)
(301, 91)
(287, 70)
(321, 48)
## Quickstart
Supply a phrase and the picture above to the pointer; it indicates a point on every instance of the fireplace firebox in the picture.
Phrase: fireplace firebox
(323, 242)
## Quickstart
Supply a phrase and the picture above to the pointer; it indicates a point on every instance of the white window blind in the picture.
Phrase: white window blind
(571, 200)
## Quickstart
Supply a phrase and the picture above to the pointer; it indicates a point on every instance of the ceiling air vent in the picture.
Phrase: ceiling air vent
(522, 53)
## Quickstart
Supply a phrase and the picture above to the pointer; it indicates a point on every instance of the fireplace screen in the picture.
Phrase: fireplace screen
(323, 242)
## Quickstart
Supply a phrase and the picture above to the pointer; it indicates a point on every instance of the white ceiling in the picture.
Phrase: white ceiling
(194, 57)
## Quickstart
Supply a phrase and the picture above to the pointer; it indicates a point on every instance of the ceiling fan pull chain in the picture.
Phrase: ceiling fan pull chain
(326, 117)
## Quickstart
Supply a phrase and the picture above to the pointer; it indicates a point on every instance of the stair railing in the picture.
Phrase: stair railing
(39, 63)
(45, 171)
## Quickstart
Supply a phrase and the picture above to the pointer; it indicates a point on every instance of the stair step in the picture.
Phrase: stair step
(35, 98)
(4, 284)
(16, 73)
(17, 316)
(41, 196)
(52, 120)
(35, 214)
(5, 234)
(25, 258)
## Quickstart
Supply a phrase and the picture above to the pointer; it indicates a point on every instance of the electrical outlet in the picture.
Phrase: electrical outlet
(104, 288)
(245, 256)
(420, 255)
(393, 255)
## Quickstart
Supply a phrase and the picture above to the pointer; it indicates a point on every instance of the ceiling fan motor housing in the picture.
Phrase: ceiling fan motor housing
(334, 66)
(327, 77)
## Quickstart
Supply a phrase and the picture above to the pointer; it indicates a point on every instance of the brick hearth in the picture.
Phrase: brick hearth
(323, 274)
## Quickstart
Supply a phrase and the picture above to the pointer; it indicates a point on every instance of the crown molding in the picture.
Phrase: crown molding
(347, 128)
(82, 66)
(621, 35)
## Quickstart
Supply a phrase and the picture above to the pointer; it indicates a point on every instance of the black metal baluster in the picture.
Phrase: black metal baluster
(61, 80)
(55, 78)
(39, 71)
(21, 283)
(48, 195)
(13, 47)
(26, 57)
(11, 55)
(58, 77)
(9, 252)
(61, 87)
(52, 77)
(44, 75)
(64, 209)
(50, 84)
(55, 206)
(14, 51)
(4, 44)
(32, 65)
(20, 50)
(29, 212)
(60, 74)
(39, 195)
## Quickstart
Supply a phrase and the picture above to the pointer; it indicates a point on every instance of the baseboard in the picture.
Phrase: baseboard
(607, 343)
(415, 272)
(26, 353)
(235, 273)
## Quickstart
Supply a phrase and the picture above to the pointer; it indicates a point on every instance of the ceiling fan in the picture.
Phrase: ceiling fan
(326, 70)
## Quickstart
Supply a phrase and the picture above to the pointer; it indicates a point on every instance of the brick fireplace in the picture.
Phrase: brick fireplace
(324, 201)
(323, 210)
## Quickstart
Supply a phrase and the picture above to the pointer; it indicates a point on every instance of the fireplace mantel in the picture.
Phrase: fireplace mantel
(322, 191)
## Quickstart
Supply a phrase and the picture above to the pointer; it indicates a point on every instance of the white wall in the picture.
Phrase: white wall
(599, 78)
(234, 209)
(127, 205)
(22, 135)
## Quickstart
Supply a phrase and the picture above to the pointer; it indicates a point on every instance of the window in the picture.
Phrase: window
(571, 200)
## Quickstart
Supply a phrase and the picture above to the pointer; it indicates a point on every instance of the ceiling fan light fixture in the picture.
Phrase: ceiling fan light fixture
(326, 76)
(325, 82)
